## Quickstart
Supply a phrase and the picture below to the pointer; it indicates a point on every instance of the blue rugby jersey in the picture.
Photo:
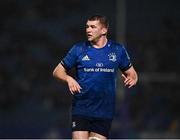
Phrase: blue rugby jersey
(96, 72)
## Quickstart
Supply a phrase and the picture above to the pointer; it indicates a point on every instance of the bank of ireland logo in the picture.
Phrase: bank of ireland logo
(112, 57)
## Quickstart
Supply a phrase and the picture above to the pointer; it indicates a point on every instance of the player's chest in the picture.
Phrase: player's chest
(94, 59)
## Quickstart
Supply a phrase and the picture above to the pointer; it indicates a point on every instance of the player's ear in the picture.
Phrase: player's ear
(104, 31)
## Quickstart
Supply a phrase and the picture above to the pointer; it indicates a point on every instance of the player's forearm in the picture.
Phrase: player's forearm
(60, 73)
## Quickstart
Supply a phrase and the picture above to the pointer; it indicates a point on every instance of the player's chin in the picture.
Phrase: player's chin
(89, 39)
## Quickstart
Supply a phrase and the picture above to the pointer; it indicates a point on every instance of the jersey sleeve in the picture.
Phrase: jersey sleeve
(69, 61)
(124, 63)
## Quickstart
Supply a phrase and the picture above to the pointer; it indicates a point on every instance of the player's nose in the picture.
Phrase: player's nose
(88, 30)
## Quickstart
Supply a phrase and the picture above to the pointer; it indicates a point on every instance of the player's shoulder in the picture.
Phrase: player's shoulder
(117, 45)
(81, 45)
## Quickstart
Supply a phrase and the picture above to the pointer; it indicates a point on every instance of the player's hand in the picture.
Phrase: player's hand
(128, 81)
(73, 85)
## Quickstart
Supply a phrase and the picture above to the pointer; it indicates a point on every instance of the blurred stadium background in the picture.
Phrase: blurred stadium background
(36, 34)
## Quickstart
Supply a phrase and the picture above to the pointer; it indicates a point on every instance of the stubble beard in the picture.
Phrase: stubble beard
(94, 39)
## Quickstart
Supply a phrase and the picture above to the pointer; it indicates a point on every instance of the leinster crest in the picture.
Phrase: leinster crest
(112, 57)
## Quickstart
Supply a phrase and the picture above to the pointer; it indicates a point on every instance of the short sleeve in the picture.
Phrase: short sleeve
(124, 63)
(69, 61)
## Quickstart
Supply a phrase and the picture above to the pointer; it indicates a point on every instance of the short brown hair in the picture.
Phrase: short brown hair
(102, 19)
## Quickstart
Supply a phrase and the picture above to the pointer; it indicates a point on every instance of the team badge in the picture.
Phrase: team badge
(112, 57)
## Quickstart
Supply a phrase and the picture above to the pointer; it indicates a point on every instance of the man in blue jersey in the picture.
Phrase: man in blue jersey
(97, 62)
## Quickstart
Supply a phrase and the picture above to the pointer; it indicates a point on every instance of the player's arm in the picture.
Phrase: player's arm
(130, 77)
(61, 74)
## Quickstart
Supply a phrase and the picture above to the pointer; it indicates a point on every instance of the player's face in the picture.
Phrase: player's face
(94, 30)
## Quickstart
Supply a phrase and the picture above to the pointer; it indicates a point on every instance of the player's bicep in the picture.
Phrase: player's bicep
(129, 71)
(59, 69)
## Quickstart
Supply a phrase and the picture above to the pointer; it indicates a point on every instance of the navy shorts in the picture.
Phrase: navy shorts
(91, 124)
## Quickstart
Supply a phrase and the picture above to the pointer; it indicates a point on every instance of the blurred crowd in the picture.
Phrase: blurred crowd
(34, 37)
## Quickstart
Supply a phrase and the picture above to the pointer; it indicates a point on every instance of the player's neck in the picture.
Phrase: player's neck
(100, 43)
